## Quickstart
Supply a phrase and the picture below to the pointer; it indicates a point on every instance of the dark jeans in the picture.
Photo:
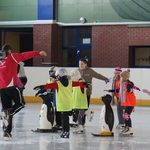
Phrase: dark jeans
(128, 111)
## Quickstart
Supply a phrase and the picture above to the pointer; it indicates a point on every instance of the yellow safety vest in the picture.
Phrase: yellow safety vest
(79, 98)
(64, 100)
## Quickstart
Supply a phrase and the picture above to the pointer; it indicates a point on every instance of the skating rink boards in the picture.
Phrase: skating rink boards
(28, 119)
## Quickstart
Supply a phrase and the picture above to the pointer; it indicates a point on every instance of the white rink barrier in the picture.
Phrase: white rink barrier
(140, 77)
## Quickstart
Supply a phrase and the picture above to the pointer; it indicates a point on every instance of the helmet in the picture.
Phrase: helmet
(61, 72)
(52, 72)
(6, 47)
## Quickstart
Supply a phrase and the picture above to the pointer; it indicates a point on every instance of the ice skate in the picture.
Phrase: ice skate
(127, 132)
(7, 136)
(65, 135)
(80, 130)
(120, 126)
(4, 117)
(89, 115)
(124, 129)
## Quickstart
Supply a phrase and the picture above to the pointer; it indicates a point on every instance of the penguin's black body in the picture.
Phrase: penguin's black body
(106, 117)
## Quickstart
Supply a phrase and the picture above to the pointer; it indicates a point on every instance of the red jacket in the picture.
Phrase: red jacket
(8, 68)
(54, 85)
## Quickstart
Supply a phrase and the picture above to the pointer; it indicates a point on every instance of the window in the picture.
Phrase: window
(141, 56)
(76, 44)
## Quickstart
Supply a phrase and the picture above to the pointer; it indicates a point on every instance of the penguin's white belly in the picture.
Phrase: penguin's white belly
(104, 126)
(44, 123)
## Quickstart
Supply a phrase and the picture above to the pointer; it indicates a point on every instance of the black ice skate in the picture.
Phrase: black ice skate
(65, 134)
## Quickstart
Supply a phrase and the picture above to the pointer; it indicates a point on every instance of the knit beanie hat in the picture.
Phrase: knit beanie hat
(118, 69)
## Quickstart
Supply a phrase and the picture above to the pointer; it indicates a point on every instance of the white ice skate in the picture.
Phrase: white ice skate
(4, 118)
(127, 132)
(89, 114)
(80, 130)
(120, 126)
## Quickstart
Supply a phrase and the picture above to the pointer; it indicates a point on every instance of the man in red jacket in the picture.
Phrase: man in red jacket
(10, 85)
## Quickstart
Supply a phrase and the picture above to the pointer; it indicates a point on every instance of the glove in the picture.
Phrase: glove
(39, 87)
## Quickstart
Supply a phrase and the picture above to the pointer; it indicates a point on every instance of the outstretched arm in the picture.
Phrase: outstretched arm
(146, 91)
(27, 55)
(99, 76)
(112, 90)
(53, 85)
(81, 84)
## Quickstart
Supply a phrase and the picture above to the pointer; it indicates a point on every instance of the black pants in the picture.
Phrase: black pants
(127, 114)
(11, 99)
(58, 117)
(65, 121)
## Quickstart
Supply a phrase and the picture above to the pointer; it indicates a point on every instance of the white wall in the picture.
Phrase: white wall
(39, 75)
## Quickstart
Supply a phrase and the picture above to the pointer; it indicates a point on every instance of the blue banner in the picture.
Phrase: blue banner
(46, 9)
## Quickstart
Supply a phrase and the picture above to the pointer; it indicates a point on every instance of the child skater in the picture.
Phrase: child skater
(116, 87)
(52, 79)
(79, 101)
(128, 100)
(64, 101)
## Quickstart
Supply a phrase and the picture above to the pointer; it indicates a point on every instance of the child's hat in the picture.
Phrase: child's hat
(118, 69)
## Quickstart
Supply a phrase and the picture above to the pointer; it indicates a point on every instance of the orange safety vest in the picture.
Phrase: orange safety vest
(130, 98)
(117, 86)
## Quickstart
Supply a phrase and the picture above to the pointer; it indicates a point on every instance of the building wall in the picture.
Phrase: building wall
(45, 37)
(37, 76)
(17, 10)
(110, 44)
(139, 36)
(70, 11)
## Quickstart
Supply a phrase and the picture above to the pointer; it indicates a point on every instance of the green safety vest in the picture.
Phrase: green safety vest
(79, 98)
(64, 99)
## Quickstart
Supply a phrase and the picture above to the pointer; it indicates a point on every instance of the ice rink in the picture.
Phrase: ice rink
(28, 119)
